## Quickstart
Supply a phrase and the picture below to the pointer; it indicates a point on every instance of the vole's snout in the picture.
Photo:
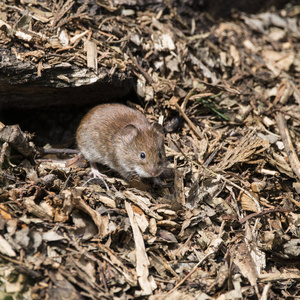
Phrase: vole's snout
(154, 171)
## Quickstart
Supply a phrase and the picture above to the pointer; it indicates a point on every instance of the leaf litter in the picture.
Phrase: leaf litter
(225, 222)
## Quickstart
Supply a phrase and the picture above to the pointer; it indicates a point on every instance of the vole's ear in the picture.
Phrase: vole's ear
(158, 128)
(129, 132)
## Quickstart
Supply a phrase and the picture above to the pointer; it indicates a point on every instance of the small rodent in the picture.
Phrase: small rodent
(121, 138)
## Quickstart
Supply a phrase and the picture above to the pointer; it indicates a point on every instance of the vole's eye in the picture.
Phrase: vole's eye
(143, 155)
(159, 155)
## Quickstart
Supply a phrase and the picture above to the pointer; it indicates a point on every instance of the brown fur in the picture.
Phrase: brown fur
(104, 136)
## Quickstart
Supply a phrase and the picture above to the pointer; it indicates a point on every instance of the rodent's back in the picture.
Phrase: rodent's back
(110, 118)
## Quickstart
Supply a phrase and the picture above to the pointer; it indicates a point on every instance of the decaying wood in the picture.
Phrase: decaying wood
(62, 84)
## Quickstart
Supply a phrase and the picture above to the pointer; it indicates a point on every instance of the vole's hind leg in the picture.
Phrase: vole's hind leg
(98, 175)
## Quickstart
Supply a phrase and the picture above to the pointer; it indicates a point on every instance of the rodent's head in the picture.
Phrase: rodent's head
(143, 151)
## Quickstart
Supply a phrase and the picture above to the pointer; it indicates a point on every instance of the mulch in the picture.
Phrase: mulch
(225, 224)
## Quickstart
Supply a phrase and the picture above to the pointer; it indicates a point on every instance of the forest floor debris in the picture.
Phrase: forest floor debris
(226, 222)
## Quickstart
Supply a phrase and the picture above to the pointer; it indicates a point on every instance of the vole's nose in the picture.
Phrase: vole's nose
(154, 171)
